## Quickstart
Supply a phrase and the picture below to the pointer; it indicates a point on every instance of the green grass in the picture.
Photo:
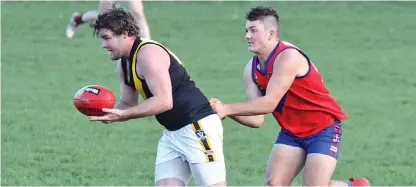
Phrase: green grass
(364, 50)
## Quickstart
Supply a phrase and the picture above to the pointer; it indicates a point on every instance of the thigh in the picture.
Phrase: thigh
(322, 154)
(175, 172)
(318, 169)
(165, 149)
(209, 173)
(286, 160)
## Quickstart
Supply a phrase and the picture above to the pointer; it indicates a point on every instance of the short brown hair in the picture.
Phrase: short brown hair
(116, 20)
(260, 13)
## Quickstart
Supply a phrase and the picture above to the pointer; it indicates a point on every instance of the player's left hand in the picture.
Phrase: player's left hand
(113, 115)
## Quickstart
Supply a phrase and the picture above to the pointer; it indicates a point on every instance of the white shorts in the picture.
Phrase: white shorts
(194, 150)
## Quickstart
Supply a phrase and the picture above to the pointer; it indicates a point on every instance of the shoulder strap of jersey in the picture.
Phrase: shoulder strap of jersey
(253, 69)
(286, 45)
(281, 47)
(148, 41)
(126, 71)
(253, 74)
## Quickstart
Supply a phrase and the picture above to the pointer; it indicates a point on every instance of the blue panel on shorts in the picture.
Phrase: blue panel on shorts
(326, 141)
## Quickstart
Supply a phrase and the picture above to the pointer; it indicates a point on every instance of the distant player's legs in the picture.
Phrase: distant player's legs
(105, 5)
(322, 154)
(136, 8)
(78, 19)
(286, 160)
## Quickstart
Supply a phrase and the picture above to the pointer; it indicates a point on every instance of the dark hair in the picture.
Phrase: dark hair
(116, 20)
(260, 12)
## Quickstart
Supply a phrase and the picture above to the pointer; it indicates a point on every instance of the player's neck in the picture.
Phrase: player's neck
(265, 52)
(129, 46)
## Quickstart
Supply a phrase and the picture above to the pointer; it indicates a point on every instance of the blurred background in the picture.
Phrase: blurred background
(364, 50)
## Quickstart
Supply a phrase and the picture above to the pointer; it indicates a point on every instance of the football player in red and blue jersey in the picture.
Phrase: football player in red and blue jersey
(282, 80)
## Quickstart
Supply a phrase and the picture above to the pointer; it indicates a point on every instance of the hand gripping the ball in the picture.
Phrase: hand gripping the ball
(113, 115)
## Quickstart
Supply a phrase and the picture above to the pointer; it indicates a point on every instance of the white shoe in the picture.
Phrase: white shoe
(72, 25)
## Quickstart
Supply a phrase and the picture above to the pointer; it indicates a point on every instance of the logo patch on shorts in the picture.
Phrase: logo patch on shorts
(333, 148)
(200, 134)
(336, 138)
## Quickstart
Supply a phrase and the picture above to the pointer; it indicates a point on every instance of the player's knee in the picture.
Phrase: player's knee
(210, 181)
(170, 182)
(223, 183)
(273, 181)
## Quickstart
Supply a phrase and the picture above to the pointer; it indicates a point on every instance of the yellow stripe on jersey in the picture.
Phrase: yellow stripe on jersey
(137, 82)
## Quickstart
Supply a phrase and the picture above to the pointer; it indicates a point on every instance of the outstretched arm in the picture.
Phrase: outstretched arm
(252, 93)
(284, 72)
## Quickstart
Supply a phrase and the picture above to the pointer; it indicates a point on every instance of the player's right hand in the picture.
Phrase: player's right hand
(214, 100)
(113, 115)
(216, 104)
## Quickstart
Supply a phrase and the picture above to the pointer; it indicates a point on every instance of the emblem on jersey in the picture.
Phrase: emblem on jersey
(200, 134)
(92, 90)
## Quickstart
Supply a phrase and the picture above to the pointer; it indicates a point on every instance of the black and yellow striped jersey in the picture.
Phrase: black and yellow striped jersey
(189, 103)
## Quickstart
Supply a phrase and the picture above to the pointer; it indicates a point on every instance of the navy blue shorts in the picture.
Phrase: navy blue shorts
(325, 142)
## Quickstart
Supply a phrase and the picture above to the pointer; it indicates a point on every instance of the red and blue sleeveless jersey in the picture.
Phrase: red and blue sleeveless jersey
(307, 107)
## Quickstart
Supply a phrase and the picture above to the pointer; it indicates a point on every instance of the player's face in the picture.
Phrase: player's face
(256, 35)
(112, 43)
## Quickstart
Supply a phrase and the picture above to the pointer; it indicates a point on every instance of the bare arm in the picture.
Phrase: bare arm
(252, 93)
(129, 96)
(289, 64)
(153, 64)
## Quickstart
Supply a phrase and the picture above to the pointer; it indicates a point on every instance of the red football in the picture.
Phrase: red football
(89, 100)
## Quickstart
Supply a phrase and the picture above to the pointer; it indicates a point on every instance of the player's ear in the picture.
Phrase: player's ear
(272, 34)
(125, 35)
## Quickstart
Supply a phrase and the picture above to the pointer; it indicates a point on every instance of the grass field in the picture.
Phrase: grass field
(365, 51)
